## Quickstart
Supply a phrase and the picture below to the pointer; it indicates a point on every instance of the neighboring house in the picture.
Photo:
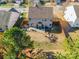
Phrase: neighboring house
(72, 15)
(1, 1)
(18, 1)
(13, 10)
(38, 2)
(58, 1)
(8, 19)
(11, 1)
(33, 2)
(74, 0)
(41, 17)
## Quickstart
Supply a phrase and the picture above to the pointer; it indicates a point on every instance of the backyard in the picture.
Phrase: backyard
(43, 42)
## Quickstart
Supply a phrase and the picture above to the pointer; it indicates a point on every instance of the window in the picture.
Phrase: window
(77, 24)
(42, 19)
(50, 24)
(45, 20)
(32, 24)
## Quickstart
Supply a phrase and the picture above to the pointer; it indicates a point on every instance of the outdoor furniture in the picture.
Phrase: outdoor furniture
(52, 37)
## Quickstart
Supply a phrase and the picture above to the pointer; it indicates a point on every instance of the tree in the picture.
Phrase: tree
(71, 51)
(25, 1)
(15, 40)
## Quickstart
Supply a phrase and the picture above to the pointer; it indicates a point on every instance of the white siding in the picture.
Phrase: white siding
(18, 1)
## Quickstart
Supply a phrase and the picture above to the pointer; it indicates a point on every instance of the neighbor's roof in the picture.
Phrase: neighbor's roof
(13, 10)
(4, 18)
(76, 8)
(7, 18)
(40, 12)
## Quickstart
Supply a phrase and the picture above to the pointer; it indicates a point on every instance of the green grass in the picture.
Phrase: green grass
(6, 5)
(24, 15)
(43, 45)
(10, 5)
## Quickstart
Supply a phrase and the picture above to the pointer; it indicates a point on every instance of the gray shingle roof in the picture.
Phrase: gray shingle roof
(40, 12)
(13, 10)
(76, 7)
(7, 18)
(4, 19)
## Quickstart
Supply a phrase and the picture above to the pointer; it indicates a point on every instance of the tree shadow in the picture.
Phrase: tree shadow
(73, 29)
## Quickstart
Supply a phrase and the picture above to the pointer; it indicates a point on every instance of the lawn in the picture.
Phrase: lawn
(6, 5)
(24, 15)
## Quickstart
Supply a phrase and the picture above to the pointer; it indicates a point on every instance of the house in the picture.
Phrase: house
(8, 19)
(74, 0)
(1, 1)
(71, 15)
(14, 10)
(40, 18)
(38, 2)
(18, 1)
(12, 1)
(58, 2)
(34, 2)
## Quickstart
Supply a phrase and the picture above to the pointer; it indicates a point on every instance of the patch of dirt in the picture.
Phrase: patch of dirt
(40, 37)
(37, 36)
(74, 34)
